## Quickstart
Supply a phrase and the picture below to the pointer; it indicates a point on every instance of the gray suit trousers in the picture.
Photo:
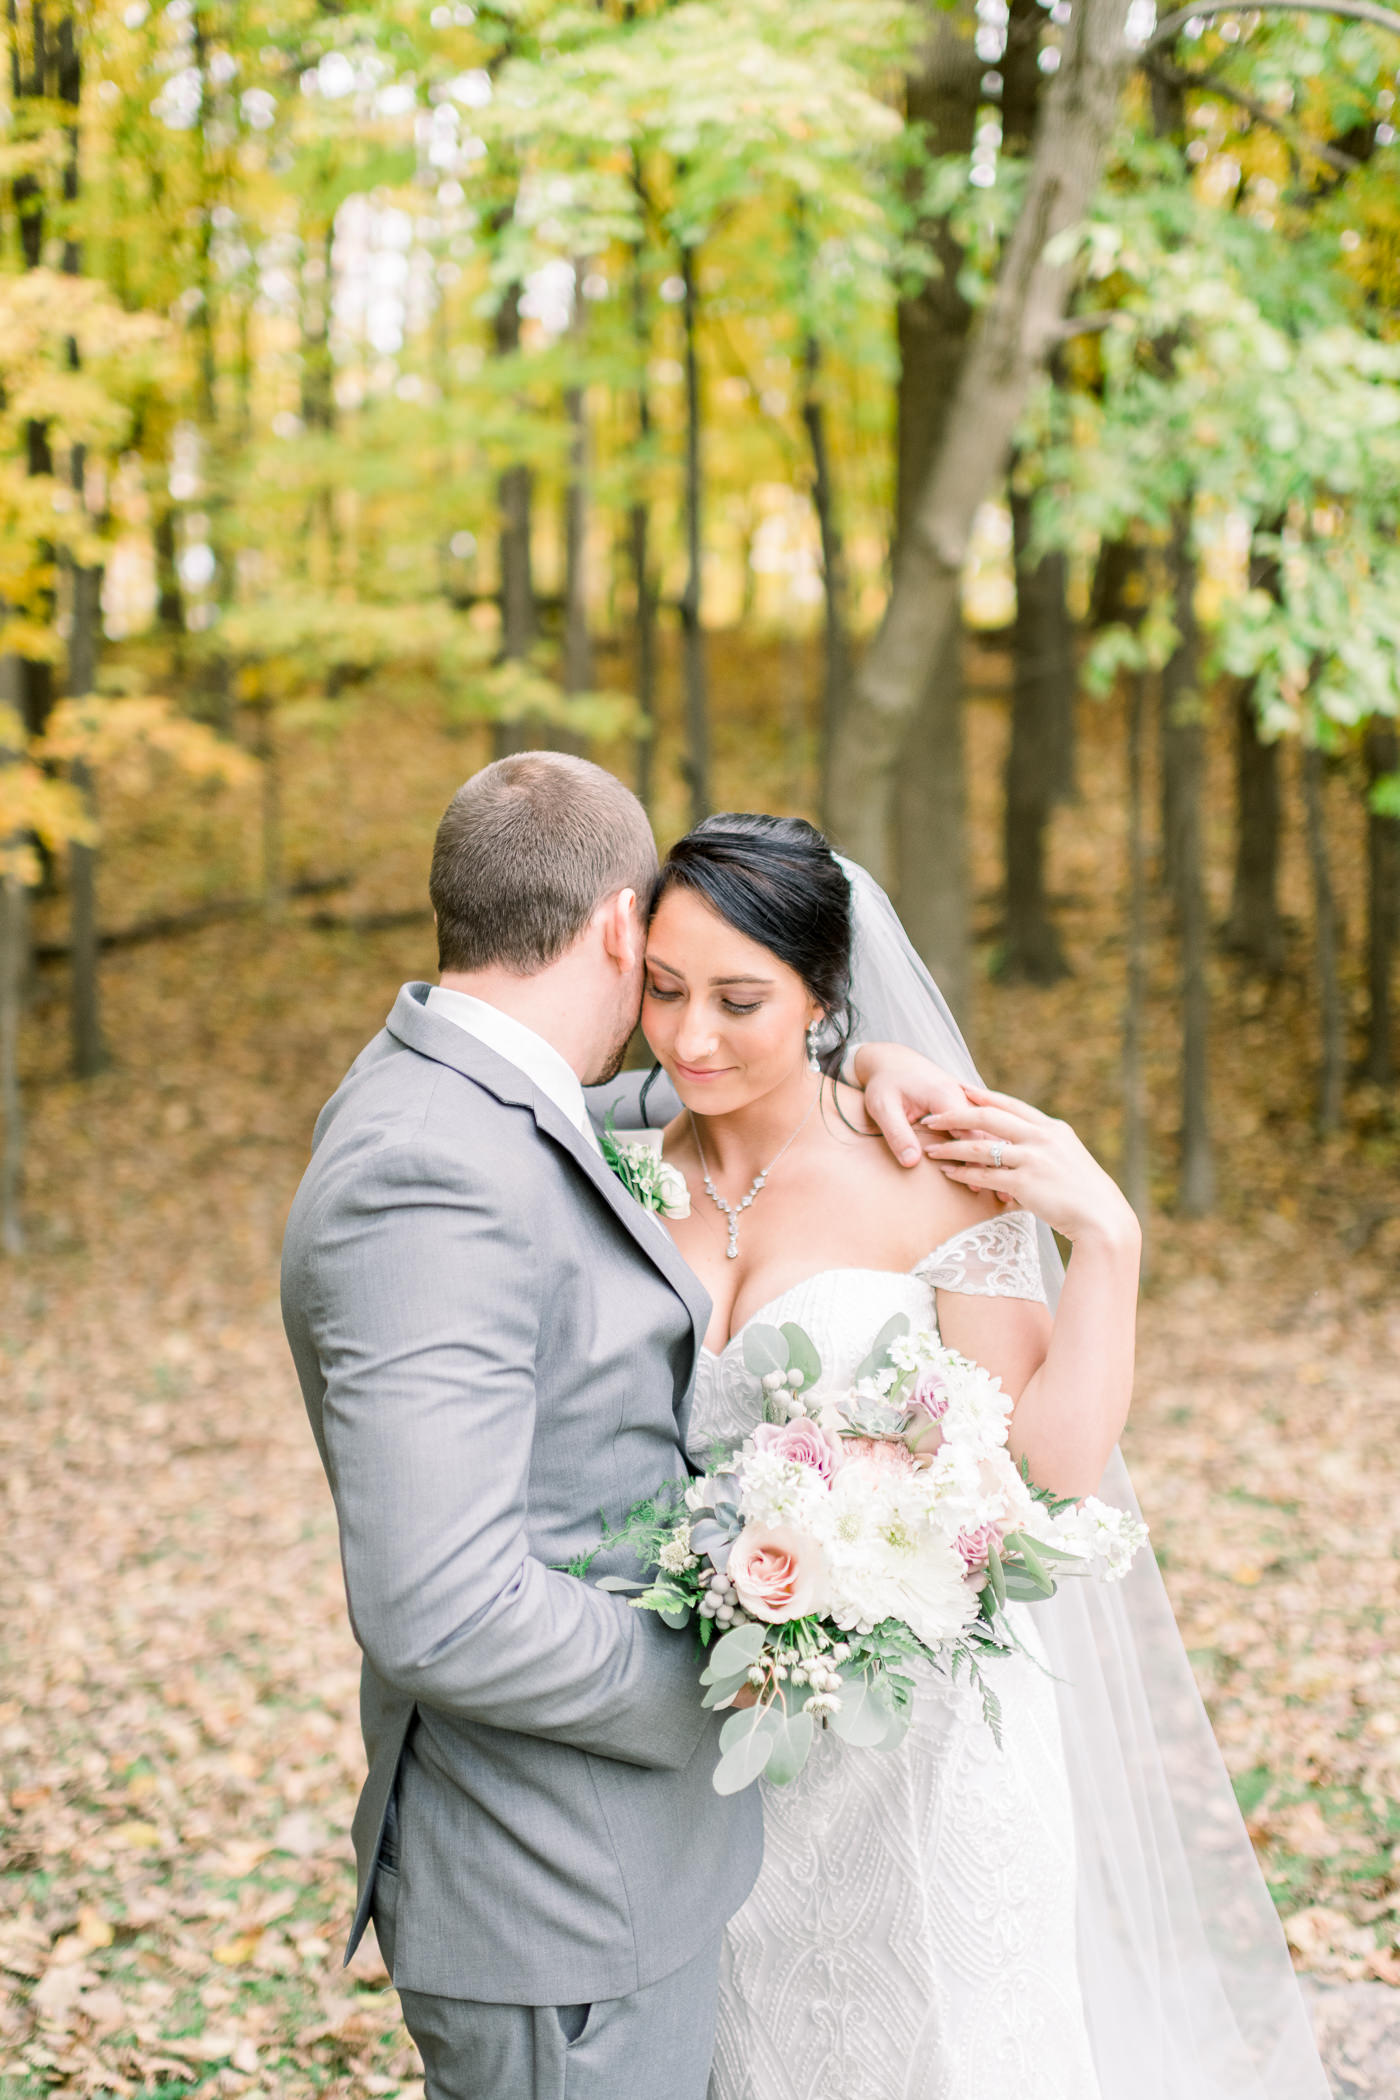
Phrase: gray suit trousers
(654, 2045)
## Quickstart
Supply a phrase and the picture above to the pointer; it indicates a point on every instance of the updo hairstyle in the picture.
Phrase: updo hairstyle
(777, 880)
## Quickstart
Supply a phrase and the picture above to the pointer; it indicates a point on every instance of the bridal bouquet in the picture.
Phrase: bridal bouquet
(830, 1552)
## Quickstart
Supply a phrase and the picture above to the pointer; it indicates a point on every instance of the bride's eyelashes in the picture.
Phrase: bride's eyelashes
(731, 1006)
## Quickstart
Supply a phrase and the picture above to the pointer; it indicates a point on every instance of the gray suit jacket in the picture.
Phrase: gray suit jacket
(496, 1347)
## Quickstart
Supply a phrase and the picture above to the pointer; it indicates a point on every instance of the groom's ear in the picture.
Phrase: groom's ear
(624, 935)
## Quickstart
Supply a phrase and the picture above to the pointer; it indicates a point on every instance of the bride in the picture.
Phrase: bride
(1076, 1915)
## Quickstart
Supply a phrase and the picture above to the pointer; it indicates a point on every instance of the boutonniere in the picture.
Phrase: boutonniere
(645, 1175)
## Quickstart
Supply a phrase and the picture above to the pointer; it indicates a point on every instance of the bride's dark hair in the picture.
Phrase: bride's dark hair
(777, 880)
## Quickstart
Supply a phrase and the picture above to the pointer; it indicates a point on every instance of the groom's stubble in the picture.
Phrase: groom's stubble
(628, 1017)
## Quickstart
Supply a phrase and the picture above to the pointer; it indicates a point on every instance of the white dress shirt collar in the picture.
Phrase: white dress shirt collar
(529, 1053)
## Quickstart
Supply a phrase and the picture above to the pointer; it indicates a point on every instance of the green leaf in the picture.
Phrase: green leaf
(739, 1650)
(1035, 1566)
(792, 1748)
(863, 1717)
(677, 1615)
(747, 1741)
(1024, 1588)
(802, 1353)
(765, 1350)
(722, 1690)
(897, 1728)
(880, 1347)
(996, 1576)
(617, 1582)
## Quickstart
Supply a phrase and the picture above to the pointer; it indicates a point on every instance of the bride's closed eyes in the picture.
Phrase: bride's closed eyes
(667, 993)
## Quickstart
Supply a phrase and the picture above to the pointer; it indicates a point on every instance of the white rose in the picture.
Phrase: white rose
(672, 1192)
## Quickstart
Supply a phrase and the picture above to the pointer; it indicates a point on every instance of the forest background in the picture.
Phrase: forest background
(977, 428)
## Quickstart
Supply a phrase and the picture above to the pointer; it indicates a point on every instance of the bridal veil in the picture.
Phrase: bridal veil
(1188, 1986)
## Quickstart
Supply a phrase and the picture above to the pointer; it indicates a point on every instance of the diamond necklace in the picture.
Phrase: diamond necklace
(732, 1210)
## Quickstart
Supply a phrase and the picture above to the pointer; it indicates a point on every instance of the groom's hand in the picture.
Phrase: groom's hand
(902, 1088)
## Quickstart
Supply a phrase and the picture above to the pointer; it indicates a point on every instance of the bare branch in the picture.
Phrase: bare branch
(1172, 25)
(1298, 142)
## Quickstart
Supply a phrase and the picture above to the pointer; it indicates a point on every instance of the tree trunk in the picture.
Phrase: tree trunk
(640, 521)
(1254, 929)
(514, 495)
(89, 1053)
(170, 603)
(1332, 1032)
(38, 82)
(89, 1050)
(1184, 750)
(14, 973)
(1044, 665)
(935, 894)
(1113, 591)
(1135, 1164)
(1179, 715)
(578, 649)
(274, 892)
(929, 806)
(1383, 906)
(697, 699)
(837, 668)
(1017, 331)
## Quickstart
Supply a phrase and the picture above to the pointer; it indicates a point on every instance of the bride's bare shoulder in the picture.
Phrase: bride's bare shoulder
(923, 1203)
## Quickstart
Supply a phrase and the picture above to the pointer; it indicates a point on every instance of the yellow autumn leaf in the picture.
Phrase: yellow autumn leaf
(139, 1836)
(93, 1929)
(235, 1952)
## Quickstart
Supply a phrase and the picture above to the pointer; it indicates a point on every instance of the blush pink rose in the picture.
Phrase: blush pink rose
(973, 1545)
(801, 1441)
(923, 1434)
(930, 1392)
(777, 1572)
(890, 1457)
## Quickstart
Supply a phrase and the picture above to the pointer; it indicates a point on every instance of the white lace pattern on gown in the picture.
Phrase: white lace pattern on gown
(912, 1933)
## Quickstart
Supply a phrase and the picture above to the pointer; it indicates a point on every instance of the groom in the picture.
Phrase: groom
(496, 1347)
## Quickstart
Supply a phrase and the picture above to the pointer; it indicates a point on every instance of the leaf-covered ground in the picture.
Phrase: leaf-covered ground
(178, 1743)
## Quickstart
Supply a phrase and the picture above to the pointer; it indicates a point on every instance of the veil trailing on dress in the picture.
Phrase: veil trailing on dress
(1187, 1982)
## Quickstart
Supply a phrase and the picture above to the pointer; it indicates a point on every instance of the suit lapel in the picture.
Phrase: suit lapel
(412, 1024)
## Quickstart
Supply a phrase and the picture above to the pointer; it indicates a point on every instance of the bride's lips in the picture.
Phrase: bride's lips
(694, 1072)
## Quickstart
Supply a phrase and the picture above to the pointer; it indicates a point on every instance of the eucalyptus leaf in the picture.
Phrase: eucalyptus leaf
(765, 1350)
(791, 1749)
(862, 1720)
(879, 1351)
(802, 1353)
(1024, 1588)
(896, 1729)
(617, 1583)
(723, 1690)
(677, 1615)
(739, 1650)
(747, 1740)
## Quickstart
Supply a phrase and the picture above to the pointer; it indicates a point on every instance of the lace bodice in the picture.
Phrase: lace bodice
(843, 1310)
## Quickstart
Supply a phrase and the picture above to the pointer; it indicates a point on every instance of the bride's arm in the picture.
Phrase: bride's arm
(1072, 1393)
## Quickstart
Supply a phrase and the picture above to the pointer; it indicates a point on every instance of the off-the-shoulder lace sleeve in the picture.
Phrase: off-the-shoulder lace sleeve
(996, 1258)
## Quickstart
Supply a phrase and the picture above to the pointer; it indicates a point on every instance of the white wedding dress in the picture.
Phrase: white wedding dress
(912, 1934)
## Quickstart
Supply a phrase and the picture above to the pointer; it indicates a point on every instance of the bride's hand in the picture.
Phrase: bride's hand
(902, 1087)
(1043, 1168)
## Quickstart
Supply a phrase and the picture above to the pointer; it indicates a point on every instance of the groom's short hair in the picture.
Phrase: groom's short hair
(527, 850)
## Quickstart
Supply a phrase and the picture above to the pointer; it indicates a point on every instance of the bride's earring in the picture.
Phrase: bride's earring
(813, 1061)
